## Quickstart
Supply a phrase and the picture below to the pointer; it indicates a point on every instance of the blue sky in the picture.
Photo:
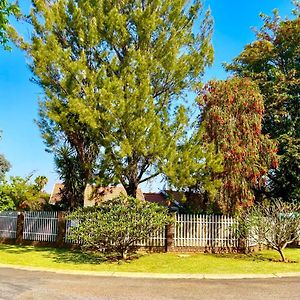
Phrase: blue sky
(21, 142)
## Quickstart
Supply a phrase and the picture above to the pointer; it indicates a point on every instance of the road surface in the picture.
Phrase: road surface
(21, 284)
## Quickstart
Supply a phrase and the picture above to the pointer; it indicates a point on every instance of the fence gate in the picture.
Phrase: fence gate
(40, 226)
(8, 224)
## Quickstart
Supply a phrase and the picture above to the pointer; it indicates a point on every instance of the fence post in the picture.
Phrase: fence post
(20, 228)
(169, 236)
(61, 229)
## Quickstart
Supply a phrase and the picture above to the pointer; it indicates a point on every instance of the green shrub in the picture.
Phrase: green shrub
(115, 225)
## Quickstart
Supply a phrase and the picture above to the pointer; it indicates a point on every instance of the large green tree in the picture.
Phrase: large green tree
(115, 76)
(232, 112)
(273, 62)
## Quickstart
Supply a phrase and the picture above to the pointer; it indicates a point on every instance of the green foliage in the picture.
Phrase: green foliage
(71, 174)
(193, 166)
(272, 61)
(6, 9)
(115, 225)
(4, 165)
(114, 75)
(22, 194)
(285, 181)
(232, 112)
(275, 224)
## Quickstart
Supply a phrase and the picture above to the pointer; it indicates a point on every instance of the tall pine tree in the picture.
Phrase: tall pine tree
(115, 74)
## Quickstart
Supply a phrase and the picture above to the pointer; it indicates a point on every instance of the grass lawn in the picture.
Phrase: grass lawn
(257, 263)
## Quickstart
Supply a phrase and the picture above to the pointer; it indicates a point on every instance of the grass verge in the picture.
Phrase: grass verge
(62, 259)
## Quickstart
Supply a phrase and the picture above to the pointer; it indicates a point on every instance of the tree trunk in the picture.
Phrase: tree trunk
(124, 253)
(281, 255)
(131, 189)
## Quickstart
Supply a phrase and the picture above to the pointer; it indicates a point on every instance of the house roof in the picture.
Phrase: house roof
(93, 196)
(56, 193)
(155, 198)
(102, 193)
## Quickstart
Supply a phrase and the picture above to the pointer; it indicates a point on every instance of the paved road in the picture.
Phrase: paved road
(20, 284)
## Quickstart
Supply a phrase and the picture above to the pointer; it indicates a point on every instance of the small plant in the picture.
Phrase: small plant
(274, 224)
(116, 225)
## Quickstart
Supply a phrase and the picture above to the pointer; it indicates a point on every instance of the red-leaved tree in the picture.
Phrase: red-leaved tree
(232, 112)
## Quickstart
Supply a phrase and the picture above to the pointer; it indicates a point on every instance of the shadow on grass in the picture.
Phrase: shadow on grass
(61, 255)
(78, 257)
(254, 257)
(57, 255)
(258, 257)
(13, 249)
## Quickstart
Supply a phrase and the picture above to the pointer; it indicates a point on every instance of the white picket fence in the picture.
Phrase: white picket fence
(156, 239)
(205, 231)
(212, 231)
(8, 224)
(40, 226)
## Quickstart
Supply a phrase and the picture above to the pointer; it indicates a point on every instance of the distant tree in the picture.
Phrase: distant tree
(272, 61)
(114, 75)
(4, 165)
(232, 112)
(275, 224)
(6, 9)
(22, 194)
(116, 225)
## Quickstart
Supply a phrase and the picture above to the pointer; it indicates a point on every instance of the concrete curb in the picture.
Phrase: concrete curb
(153, 275)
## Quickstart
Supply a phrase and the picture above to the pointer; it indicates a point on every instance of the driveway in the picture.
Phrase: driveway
(20, 284)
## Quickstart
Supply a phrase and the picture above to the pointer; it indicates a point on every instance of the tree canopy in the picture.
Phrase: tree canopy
(272, 61)
(232, 112)
(6, 9)
(115, 76)
(22, 194)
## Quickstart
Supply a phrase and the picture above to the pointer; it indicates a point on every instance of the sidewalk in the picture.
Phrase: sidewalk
(154, 275)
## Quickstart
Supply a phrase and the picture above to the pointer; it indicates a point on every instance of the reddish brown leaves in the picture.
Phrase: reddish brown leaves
(233, 111)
